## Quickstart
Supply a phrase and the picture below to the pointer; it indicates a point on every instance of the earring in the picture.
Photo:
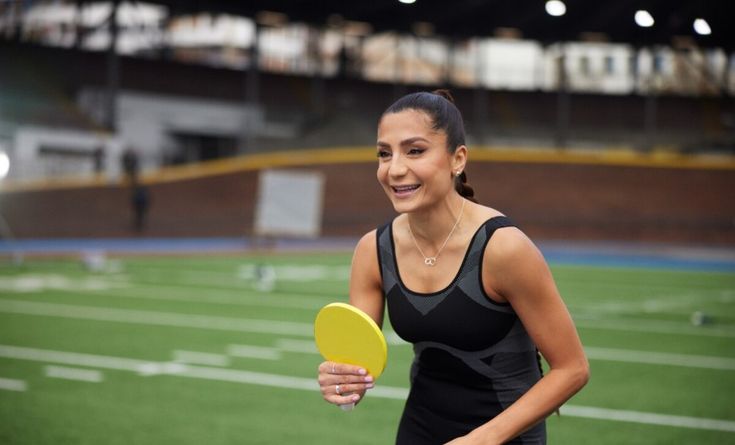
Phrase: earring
(457, 173)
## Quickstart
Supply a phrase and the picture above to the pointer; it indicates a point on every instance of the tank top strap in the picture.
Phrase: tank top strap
(475, 251)
(384, 241)
(495, 223)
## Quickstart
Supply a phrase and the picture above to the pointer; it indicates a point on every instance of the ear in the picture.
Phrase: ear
(459, 159)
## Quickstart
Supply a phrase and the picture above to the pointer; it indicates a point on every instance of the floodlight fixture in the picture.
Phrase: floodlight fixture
(643, 18)
(407, 2)
(556, 8)
(701, 27)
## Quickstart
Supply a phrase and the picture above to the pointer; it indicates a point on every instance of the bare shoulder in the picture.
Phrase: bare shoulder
(367, 245)
(510, 243)
(365, 280)
(365, 259)
(481, 213)
(513, 266)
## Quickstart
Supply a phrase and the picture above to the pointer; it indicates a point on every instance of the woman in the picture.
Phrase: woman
(467, 288)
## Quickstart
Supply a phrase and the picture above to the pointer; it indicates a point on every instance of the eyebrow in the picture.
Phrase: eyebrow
(408, 141)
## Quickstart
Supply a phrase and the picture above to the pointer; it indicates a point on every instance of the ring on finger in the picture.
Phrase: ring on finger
(336, 389)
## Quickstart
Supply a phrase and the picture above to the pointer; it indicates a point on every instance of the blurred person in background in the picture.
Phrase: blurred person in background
(139, 194)
(467, 288)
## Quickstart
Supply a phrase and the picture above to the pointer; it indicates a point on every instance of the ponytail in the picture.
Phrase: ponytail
(463, 188)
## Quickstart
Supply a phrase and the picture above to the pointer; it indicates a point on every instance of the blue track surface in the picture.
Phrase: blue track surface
(594, 253)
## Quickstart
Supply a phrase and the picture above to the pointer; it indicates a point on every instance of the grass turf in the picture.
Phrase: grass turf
(147, 308)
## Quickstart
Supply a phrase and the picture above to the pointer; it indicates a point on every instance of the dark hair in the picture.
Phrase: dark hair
(444, 115)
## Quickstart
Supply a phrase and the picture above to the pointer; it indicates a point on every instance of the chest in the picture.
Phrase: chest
(420, 277)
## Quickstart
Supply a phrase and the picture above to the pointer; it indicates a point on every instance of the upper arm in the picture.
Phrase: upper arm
(519, 273)
(366, 291)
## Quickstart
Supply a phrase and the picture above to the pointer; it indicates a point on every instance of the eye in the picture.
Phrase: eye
(383, 153)
(416, 151)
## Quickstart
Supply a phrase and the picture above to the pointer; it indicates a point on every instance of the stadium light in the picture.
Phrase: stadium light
(4, 164)
(407, 2)
(643, 18)
(702, 27)
(556, 8)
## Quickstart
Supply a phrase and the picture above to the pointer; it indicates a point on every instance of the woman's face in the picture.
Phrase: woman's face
(414, 166)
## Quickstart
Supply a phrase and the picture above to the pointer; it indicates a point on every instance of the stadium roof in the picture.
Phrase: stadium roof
(611, 20)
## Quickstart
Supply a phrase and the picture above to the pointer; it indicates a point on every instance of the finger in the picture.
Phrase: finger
(344, 399)
(325, 367)
(339, 385)
(358, 388)
(326, 380)
(344, 368)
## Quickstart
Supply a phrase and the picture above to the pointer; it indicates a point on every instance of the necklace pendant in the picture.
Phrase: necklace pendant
(430, 261)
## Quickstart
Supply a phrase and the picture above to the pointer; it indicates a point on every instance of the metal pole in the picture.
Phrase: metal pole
(562, 102)
(113, 70)
(78, 28)
(650, 109)
(317, 78)
(252, 93)
(399, 86)
(480, 96)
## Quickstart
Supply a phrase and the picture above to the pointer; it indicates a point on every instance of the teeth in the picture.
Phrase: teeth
(404, 188)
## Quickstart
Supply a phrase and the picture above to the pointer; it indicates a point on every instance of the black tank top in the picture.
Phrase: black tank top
(473, 357)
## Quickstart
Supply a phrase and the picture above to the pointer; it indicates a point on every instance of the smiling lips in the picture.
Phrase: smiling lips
(404, 190)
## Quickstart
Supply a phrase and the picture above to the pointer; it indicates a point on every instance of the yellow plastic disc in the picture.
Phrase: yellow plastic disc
(345, 334)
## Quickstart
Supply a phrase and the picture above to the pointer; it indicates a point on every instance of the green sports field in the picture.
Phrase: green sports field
(197, 349)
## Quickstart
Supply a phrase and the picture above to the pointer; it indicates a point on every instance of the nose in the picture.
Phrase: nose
(397, 167)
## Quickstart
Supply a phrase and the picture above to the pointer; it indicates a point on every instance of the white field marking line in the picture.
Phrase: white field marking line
(298, 272)
(200, 358)
(598, 284)
(245, 272)
(594, 353)
(72, 358)
(13, 385)
(652, 326)
(250, 351)
(581, 319)
(148, 369)
(661, 358)
(281, 345)
(591, 412)
(682, 304)
(157, 318)
(647, 305)
(38, 282)
(310, 384)
(301, 346)
(185, 294)
(63, 372)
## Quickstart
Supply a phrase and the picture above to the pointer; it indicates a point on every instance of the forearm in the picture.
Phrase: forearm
(542, 399)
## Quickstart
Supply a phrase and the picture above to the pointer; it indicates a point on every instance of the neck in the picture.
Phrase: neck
(433, 225)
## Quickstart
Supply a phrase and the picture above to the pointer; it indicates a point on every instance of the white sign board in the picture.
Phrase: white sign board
(289, 203)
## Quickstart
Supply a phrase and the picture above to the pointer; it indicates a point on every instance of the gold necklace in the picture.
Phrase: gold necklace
(431, 260)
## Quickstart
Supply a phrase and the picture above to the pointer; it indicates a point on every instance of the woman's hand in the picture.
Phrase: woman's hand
(460, 441)
(342, 384)
(471, 439)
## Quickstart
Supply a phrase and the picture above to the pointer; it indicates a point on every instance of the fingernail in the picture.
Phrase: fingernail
(368, 378)
(369, 385)
(362, 372)
(355, 398)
